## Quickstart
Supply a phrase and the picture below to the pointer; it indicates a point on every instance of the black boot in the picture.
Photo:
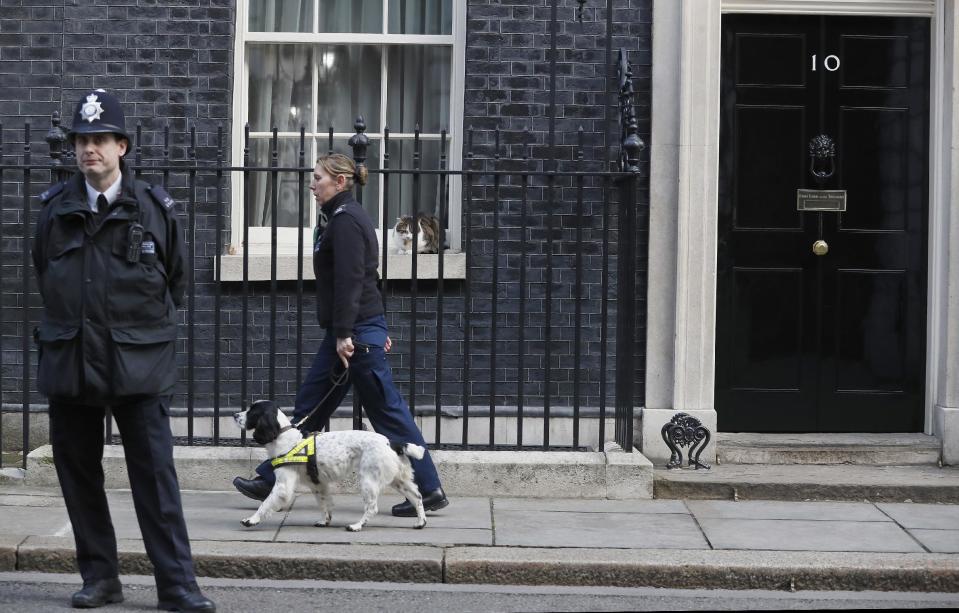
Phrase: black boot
(98, 593)
(186, 601)
(257, 488)
(434, 501)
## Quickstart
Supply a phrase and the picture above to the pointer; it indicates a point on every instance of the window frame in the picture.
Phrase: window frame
(260, 236)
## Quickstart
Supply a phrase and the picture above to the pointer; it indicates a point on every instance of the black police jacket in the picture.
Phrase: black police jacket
(109, 324)
(345, 264)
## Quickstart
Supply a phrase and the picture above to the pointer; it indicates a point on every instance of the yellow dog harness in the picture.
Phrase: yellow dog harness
(303, 453)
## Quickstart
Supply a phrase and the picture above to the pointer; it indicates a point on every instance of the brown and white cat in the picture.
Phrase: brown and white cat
(427, 238)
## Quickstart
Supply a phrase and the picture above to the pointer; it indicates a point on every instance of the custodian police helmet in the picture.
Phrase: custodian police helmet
(98, 112)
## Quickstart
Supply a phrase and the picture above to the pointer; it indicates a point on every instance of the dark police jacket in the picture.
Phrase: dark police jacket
(345, 265)
(109, 325)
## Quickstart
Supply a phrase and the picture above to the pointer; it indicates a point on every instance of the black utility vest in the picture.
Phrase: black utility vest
(110, 292)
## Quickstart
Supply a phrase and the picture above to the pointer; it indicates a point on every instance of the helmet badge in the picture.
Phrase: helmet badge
(91, 110)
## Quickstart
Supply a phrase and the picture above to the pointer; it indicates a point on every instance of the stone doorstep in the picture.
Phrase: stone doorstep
(690, 569)
(865, 456)
(537, 474)
(866, 449)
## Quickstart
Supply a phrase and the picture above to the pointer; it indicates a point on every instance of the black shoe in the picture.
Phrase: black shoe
(98, 593)
(187, 601)
(257, 488)
(434, 501)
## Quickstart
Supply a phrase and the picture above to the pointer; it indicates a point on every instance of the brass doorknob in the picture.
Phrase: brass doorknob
(820, 247)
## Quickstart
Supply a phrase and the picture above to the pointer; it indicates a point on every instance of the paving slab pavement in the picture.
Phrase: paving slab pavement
(604, 530)
(932, 516)
(808, 535)
(933, 526)
(775, 509)
(479, 539)
(801, 482)
(938, 541)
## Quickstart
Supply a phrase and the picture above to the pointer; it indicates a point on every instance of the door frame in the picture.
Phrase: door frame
(684, 190)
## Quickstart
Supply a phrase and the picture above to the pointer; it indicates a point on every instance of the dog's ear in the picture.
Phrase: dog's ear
(267, 428)
(253, 414)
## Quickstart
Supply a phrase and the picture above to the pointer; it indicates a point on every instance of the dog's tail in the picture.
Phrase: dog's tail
(409, 450)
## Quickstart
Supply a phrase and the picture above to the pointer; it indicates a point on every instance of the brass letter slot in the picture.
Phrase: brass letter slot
(821, 200)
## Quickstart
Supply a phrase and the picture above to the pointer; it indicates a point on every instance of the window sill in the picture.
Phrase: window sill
(398, 267)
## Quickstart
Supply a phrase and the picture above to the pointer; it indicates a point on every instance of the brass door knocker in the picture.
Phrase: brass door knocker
(822, 158)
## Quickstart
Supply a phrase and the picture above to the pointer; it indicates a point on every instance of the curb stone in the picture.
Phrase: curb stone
(8, 551)
(695, 569)
(663, 568)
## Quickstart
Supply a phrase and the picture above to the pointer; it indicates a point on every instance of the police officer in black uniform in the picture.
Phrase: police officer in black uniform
(350, 308)
(108, 255)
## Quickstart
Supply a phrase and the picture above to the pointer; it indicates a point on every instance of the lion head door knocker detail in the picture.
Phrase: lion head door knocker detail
(682, 431)
(822, 158)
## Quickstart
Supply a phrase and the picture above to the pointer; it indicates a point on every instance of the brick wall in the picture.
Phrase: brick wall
(170, 62)
(508, 87)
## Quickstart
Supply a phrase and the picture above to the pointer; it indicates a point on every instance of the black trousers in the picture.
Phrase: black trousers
(372, 380)
(77, 437)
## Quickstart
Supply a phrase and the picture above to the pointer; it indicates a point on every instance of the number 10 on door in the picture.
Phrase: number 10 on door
(830, 63)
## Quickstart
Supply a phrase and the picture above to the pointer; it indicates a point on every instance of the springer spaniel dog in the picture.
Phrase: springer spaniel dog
(376, 461)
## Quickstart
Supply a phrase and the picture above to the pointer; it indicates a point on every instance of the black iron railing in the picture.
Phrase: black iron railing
(545, 324)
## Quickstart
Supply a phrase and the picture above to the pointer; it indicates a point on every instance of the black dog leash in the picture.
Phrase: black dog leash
(336, 379)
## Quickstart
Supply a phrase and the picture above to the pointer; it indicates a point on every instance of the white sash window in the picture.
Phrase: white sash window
(320, 63)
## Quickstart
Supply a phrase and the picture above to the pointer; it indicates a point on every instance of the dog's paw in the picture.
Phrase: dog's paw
(323, 523)
(420, 525)
(249, 522)
(354, 527)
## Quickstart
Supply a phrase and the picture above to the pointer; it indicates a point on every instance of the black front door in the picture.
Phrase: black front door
(833, 342)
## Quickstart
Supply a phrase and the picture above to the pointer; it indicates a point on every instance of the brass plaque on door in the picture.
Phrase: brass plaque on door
(821, 200)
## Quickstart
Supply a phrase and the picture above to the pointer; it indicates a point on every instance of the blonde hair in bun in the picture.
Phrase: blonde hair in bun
(337, 164)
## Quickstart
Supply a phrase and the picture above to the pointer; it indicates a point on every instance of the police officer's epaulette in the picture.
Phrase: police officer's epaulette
(52, 191)
(162, 197)
(339, 209)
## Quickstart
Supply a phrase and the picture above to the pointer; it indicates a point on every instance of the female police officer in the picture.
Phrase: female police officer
(108, 257)
(349, 307)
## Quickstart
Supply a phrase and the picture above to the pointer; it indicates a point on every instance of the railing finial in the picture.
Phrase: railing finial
(579, 10)
(359, 142)
(55, 138)
(631, 143)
